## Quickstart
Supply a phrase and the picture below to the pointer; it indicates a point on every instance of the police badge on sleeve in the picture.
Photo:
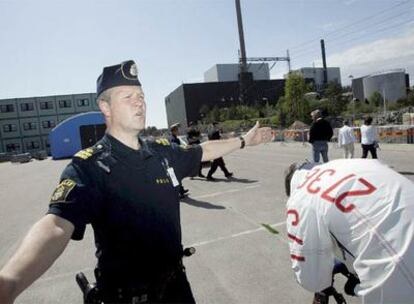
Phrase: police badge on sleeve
(62, 191)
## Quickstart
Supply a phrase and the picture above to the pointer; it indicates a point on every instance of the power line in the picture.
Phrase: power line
(360, 37)
(304, 52)
(365, 19)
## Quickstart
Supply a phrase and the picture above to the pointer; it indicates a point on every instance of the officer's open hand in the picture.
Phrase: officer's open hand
(257, 135)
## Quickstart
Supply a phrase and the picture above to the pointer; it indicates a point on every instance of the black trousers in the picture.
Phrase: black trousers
(218, 162)
(177, 290)
(371, 149)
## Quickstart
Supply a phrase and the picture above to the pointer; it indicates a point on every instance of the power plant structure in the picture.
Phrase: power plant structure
(247, 83)
(391, 84)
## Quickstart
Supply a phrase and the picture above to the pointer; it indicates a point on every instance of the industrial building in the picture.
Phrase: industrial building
(25, 123)
(222, 89)
(391, 84)
(316, 76)
(230, 72)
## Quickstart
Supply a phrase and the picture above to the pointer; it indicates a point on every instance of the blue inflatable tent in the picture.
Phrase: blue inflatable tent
(76, 133)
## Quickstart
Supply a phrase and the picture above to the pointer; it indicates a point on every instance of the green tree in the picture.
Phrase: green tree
(282, 112)
(213, 115)
(376, 99)
(296, 104)
(336, 103)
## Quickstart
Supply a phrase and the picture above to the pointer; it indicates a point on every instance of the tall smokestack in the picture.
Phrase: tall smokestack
(241, 38)
(325, 70)
(245, 78)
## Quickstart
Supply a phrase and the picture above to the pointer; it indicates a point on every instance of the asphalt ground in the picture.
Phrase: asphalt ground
(238, 260)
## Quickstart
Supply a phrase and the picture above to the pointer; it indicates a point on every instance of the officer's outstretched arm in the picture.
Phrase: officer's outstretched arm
(213, 149)
(42, 245)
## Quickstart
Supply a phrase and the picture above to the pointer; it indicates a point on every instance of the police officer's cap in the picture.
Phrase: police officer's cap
(122, 74)
(174, 126)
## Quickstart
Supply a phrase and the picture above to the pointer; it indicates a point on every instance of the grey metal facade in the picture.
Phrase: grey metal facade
(391, 84)
(25, 123)
(230, 72)
(316, 75)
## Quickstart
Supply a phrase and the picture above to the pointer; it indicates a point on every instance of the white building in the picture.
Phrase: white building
(316, 74)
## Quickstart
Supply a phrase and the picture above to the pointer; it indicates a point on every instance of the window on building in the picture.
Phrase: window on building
(7, 108)
(29, 126)
(28, 106)
(47, 124)
(12, 147)
(84, 102)
(45, 105)
(31, 145)
(9, 128)
(65, 103)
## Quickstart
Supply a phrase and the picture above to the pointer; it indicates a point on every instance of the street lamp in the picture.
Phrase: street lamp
(353, 99)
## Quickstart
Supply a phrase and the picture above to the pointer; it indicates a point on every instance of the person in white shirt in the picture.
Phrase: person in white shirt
(368, 138)
(356, 211)
(346, 140)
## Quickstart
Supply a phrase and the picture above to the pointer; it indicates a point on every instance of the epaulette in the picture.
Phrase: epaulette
(89, 152)
(163, 142)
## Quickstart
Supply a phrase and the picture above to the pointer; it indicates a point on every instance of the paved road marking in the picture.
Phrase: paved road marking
(225, 192)
(237, 235)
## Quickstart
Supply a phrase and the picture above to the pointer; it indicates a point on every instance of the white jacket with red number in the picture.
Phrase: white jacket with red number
(360, 212)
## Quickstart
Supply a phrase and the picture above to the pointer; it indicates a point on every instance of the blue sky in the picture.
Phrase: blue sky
(59, 47)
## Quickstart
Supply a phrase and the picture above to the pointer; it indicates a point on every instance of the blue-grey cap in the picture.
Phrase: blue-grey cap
(122, 74)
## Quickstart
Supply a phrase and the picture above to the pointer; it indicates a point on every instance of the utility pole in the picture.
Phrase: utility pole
(288, 60)
(325, 70)
(245, 78)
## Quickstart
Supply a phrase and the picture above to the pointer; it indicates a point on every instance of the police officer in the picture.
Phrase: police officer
(126, 189)
(174, 139)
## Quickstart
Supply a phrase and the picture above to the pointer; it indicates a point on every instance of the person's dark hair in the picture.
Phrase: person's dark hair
(346, 122)
(368, 120)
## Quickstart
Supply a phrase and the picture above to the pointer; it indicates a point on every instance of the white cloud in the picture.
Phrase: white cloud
(383, 54)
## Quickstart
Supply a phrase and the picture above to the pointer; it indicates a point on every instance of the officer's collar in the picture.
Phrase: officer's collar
(119, 148)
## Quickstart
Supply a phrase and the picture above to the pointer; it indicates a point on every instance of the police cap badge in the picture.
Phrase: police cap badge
(122, 74)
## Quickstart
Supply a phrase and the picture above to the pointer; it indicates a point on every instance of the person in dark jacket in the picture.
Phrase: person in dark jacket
(214, 134)
(174, 139)
(194, 138)
(320, 134)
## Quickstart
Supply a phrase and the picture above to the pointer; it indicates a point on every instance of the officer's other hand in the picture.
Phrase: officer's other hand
(257, 135)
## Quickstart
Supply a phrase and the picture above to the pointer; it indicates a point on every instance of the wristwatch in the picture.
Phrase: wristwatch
(243, 142)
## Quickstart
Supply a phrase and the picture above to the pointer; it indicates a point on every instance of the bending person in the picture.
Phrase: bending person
(359, 212)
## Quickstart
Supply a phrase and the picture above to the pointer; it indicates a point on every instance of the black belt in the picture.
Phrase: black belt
(152, 291)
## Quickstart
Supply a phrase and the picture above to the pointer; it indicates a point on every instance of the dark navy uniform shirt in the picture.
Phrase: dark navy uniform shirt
(129, 199)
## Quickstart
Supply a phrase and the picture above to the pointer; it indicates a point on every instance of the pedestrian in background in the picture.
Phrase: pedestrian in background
(346, 140)
(320, 134)
(194, 138)
(214, 134)
(174, 139)
(369, 138)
